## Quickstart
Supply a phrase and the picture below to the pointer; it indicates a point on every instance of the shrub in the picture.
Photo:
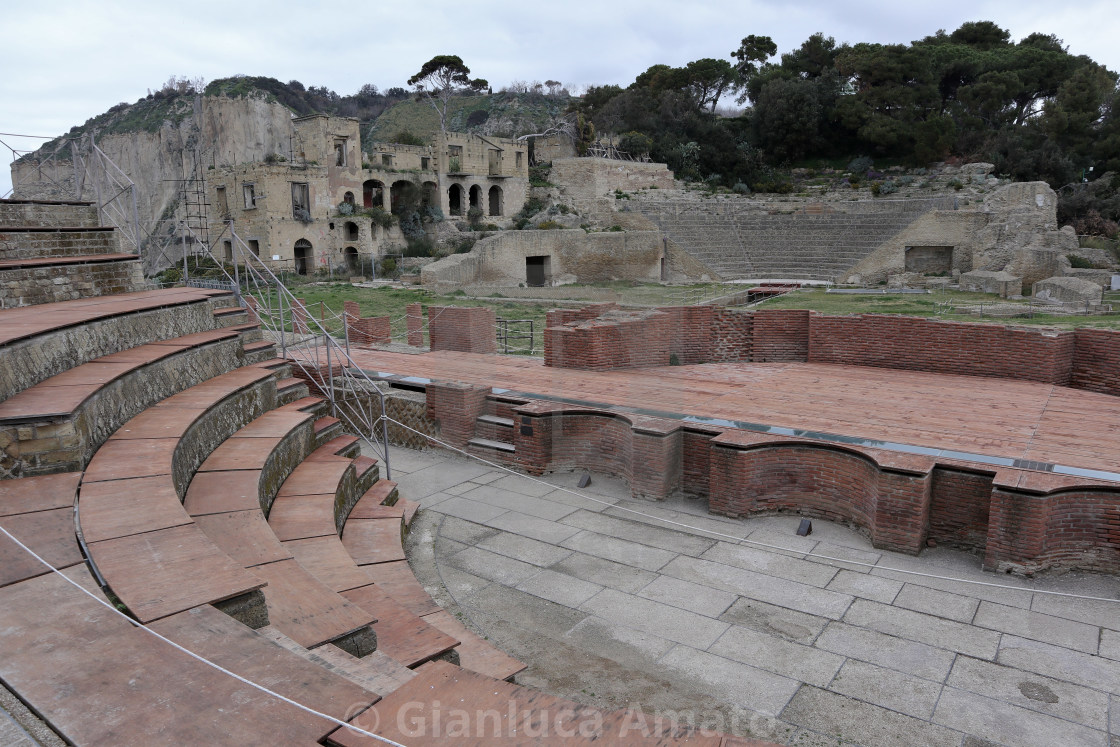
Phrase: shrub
(860, 165)
(474, 217)
(1080, 263)
(464, 245)
(888, 187)
(345, 208)
(381, 217)
(404, 137)
(549, 225)
(741, 189)
(956, 184)
(453, 166)
(876, 188)
(419, 246)
(388, 266)
(615, 227)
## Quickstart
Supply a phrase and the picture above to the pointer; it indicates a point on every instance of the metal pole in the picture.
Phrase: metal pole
(136, 222)
(346, 331)
(186, 273)
(385, 435)
(280, 308)
(330, 374)
(233, 256)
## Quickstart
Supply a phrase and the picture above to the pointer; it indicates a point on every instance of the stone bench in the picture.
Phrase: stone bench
(59, 336)
(144, 543)
(306, 520)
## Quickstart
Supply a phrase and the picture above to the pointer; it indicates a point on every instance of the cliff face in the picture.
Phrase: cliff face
(218, 131)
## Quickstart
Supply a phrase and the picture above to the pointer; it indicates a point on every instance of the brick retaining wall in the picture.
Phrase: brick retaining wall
(463, 329)
(603, 337)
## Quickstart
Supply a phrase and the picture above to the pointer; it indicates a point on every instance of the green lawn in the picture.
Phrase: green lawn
(941, 304)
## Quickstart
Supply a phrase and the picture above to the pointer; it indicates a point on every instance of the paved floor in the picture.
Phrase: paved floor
(995, 417)
(746, 627)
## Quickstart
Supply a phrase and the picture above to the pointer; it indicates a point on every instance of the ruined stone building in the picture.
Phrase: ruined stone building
(319, 210)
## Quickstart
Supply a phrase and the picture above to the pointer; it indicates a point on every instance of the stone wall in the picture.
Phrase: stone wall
(17, 213)
(573, 255)
(57, 242)
(22, 287)
(956, 229)
(594, 178)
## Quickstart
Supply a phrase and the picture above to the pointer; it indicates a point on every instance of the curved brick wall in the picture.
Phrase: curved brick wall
(812, 480)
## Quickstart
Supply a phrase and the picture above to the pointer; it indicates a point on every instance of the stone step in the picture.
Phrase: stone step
(486, 443)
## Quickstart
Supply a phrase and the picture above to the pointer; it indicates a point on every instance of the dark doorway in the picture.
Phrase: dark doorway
(351, 256)
(495, 201)
(304, 257)
(929, 259)
(537, 271)
(455, 199)
(476, 197)
(372, 194)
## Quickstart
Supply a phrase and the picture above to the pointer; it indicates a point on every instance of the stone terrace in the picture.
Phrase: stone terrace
(740, 239)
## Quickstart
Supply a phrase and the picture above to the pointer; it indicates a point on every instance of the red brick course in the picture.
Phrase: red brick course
(414, 320)
(1096, 361)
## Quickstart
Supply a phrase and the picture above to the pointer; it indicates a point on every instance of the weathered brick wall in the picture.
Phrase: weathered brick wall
(414, 320)
(463, 329)
(732, 335)
(958, 514)
(780, 335)
(19, 213)
(917, 344)
(57, 242)
(690, 333)
(299, 317)
(372, 330)
(1064, 529)
(1096, 361)
(455, 408)
(815, 481)
(24, 287)
(620, 341)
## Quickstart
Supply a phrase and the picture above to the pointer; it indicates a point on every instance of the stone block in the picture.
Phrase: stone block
(1001, 283)
(1069, 290)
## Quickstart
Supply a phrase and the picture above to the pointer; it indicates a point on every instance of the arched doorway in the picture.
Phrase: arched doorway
(430, 194)
(476, 197)
(351, 230)
(455, 199)
(348, 198)
(350, 254)
(373, 194)
(402, 193)
(495, 200)
(304, 257)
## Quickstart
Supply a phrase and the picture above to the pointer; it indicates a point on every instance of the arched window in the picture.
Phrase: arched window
(455, 199)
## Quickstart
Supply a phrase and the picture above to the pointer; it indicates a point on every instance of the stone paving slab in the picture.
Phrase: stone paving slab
(688, 596)
(524, 549)
(863, 723)
(759, 586)
(1033, 691)
(559, 588)
(620, 551)
(493, 566)
(888, 688)
(774, 620)
(468, 509)
(1039, 627)
(937, 603)
(887, 651)
(741, 684)
(643, 534)
(914, 626)
(619, 643)
(778, 655)
(1060, 663)
(866, 586)
(771, 564)
(1110, 644)
(662, 620)
(1010, 724)
(1105, 614)
(495, 496)
(605, 572)
(532, 527)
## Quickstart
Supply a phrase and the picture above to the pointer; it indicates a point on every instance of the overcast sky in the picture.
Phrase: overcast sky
(68, 60)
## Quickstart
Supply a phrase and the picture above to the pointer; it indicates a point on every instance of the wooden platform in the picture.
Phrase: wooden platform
(995, 417)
